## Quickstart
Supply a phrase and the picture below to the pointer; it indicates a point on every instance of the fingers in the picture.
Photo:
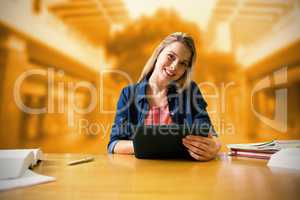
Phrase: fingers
(196, 150)
(201, 139)
(196, 144)
(196, 156)
(200, 148)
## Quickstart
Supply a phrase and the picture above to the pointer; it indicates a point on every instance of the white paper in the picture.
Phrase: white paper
(29, 178)
(286, 158)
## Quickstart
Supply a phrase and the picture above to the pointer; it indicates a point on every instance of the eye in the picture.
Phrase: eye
(184, 64)
(170, 56)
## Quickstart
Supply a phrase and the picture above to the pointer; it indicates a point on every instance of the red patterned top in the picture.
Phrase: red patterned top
(158, 115)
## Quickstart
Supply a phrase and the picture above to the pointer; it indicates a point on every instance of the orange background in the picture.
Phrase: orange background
(239, 44)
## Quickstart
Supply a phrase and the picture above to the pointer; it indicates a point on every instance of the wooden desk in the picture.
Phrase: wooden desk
(125, 177)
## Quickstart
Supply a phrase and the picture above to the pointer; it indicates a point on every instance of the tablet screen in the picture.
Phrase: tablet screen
(164, 141)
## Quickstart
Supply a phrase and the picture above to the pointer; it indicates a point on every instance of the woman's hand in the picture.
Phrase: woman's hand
(124, 147)
(202, 148)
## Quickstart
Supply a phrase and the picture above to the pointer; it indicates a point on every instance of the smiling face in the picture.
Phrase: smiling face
(172, 62)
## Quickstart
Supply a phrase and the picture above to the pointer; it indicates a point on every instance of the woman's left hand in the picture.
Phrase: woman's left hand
(202, 148)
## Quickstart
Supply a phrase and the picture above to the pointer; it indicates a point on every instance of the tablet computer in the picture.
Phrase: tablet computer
(163, 141)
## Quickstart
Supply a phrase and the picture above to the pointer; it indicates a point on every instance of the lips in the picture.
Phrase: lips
(169, 73)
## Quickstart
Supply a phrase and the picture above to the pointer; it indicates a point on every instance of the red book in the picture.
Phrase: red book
(261, 150)
(266, 151)
(266, 156)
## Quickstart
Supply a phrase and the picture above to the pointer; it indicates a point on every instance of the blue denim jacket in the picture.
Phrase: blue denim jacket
(186, 107)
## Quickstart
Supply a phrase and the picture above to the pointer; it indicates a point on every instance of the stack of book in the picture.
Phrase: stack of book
(262, 150)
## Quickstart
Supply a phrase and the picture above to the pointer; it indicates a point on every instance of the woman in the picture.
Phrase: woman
(165, 94)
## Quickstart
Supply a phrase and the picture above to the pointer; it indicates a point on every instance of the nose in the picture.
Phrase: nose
(174, 65)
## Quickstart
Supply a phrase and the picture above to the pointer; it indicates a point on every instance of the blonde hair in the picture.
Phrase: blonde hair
(185, 39)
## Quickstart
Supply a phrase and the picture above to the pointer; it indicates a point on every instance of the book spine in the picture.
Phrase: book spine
(251, 155)
(254, 151)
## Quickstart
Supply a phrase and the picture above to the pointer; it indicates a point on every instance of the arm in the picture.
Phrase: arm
(198, 109)
(119, 137)
(201, 148)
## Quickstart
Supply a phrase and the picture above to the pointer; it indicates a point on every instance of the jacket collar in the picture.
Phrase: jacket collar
(142, 87)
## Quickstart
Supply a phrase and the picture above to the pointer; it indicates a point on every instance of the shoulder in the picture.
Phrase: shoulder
(129, 90)
(196, 95)
(193, 87)
(131, 87)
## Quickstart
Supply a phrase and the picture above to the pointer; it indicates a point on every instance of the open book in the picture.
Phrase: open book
(14, 168)
(16, 161)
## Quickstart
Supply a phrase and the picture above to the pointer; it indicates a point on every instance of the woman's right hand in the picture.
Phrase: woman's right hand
(202, 148)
